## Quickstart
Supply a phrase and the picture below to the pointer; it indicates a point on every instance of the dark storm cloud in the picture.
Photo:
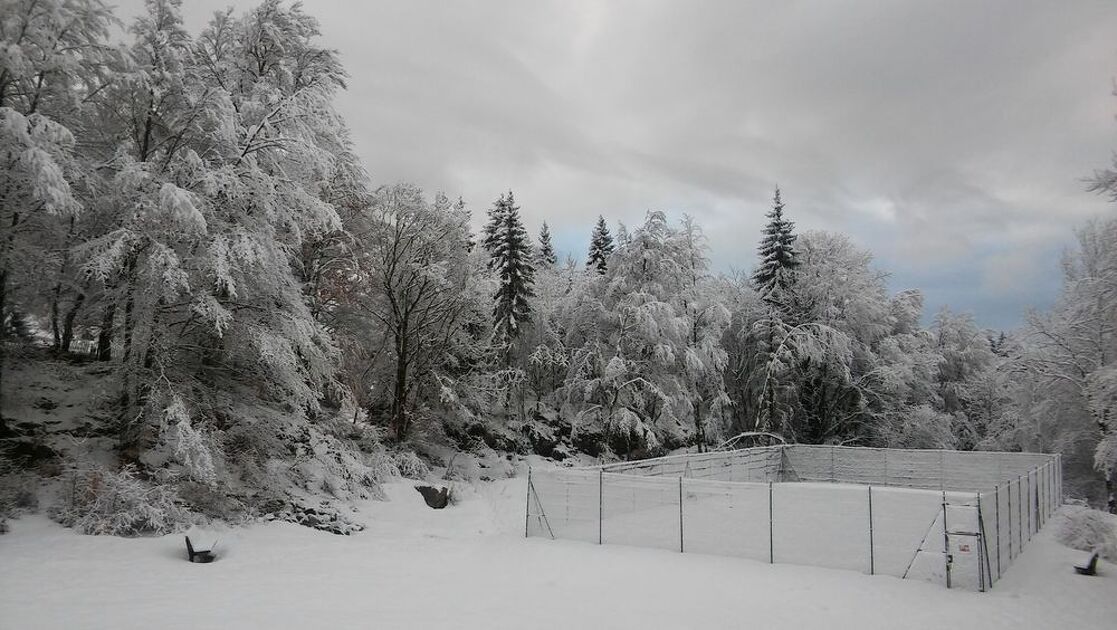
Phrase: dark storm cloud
(949, 137)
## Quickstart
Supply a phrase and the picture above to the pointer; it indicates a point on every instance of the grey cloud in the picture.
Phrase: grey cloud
(949, 137)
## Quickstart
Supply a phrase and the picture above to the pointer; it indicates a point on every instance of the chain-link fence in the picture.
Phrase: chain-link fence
(958, 518)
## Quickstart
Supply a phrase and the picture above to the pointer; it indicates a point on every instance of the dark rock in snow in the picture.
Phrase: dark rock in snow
(436, 498)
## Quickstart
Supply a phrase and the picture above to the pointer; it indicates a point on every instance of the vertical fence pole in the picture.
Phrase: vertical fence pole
(771, 528)
(1030, 505)
(680, 514)
(600, 504)
(1020, 507)
(1008, 491)
(872, 559)
(980, 548)
(527, 504)
(832, 478)
(997, 524)
(1051, 489)
(1062, 494)
(945, 540)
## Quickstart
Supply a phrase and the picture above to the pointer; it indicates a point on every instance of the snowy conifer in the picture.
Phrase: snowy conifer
(601, 246)
(546, 256)
(510, 255)
(777, 254)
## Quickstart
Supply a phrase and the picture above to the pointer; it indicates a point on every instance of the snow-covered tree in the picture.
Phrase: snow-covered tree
(601, 246)
(510, 256)
(408, 285)
(1065, 399)
(774, 275)
(546, 256)
(52, 54)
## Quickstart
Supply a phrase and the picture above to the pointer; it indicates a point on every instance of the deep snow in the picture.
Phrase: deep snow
(469, 567)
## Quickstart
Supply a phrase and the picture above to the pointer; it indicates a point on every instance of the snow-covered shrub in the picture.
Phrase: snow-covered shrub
(17, 493)
(99, 501)
(1089, 530)
(410, 466)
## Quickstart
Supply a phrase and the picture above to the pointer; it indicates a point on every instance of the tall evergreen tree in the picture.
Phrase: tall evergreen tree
(547, 256)
(601, 246)
(510, 253)
(777, 254)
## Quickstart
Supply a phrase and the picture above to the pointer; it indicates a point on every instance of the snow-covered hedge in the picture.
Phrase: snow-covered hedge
(99, 501)
(1089, 530)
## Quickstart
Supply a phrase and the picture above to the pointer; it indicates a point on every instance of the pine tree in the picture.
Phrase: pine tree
(547, 256)
(510, 253)
(777, 254)
(601, 246)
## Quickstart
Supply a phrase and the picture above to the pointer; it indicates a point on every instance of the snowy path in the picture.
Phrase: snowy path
(469, 567)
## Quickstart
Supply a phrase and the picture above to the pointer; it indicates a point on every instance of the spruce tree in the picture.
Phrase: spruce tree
(510, 255)
(774, 274)
(547, 256)
(601, 246)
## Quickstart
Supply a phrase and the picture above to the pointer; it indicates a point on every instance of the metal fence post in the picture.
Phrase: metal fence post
(771, 528)
(872, 559)
(600, 504)
(1008, 491)
(680, 514)
(997, 524)
(945, 540)
(1020, 507)
(527, 504)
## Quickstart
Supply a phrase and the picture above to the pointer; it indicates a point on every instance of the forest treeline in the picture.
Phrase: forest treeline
(189, 210)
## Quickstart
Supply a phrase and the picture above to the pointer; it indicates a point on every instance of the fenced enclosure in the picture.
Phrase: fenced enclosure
(952, 517)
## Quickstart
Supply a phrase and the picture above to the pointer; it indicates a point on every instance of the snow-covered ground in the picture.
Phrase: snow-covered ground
(469, 567)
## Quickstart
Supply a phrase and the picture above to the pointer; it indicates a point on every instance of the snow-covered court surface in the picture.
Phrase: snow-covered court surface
(469, 567)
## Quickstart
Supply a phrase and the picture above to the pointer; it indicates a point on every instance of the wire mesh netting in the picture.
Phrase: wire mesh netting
(954, 518)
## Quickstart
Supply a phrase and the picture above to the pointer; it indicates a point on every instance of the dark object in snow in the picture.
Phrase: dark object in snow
(1091, 567)
(201, 557)
(437, 498)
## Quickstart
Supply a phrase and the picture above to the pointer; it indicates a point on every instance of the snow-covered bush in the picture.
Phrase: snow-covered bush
(1089, 530)
(17, 493)
(410, 466)
(99, 501)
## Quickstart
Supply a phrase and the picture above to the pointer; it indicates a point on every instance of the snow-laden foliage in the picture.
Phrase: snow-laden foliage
(1089, 530)
(101, 502)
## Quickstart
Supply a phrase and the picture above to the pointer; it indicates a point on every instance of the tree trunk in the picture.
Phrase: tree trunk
(56, 293)
(68, 322)
(104, 337)
(399, 396)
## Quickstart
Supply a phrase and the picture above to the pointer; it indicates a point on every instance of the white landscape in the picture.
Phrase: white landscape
(558, 314)
(471, 567)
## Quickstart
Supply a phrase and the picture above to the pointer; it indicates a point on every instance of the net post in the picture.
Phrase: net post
(600, 503)
(872, 558)
(771, 528)
(680, 515)
(1020, 509)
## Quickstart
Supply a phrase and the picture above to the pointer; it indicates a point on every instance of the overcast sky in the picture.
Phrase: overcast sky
(949, 137)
